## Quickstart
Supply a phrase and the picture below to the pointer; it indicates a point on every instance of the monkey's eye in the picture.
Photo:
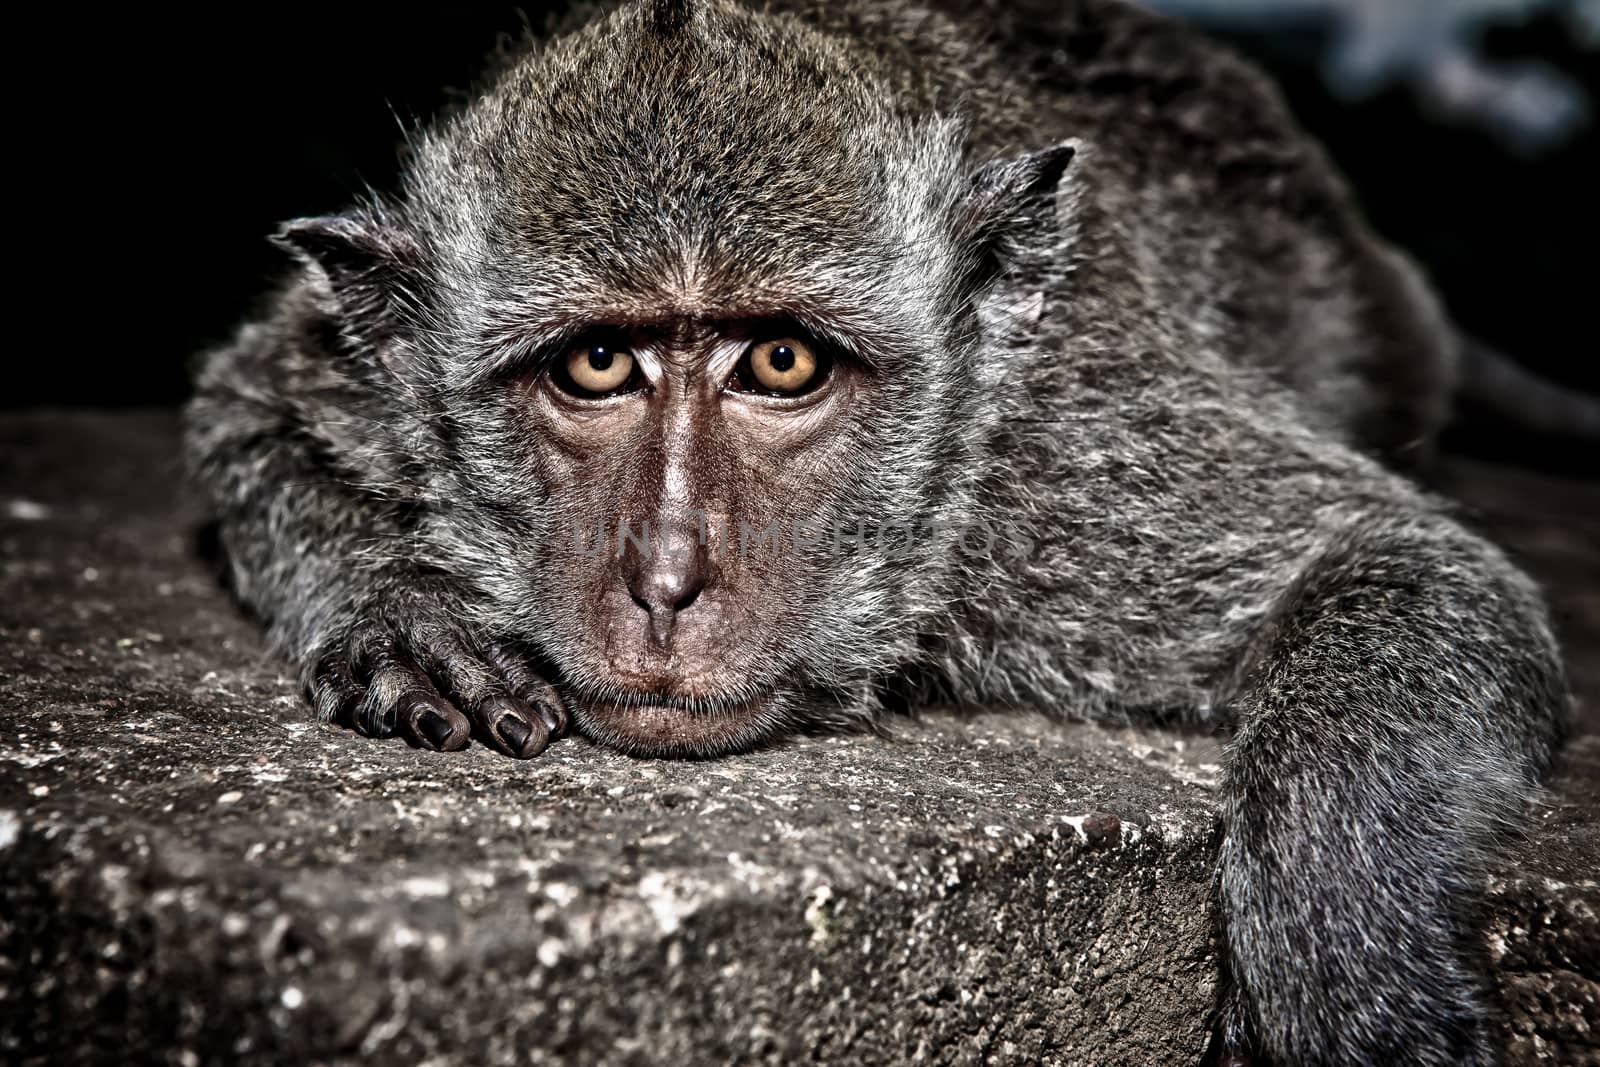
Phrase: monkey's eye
(594, 369)
(782, 366)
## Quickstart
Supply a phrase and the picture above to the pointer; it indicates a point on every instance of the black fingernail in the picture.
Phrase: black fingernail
(435, 727)
(555, 719)
(514, 732)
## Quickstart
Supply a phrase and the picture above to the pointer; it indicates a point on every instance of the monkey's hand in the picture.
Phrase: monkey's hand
(1407, 698)
(407, 665)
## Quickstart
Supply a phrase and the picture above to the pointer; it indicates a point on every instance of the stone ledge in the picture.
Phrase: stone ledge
(194, 872)
(240, 886)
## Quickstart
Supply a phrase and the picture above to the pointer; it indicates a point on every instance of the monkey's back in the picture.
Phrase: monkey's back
(1229, 215)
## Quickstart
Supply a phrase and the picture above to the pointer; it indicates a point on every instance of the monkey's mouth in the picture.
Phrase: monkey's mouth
(653, 724)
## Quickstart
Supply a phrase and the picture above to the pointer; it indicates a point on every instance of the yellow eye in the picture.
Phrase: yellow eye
(782, 365)
(597, 368)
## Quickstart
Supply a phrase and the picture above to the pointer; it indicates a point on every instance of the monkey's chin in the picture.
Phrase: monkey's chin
(671, 731)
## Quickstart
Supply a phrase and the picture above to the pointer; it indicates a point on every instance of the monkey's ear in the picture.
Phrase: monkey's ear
(1010, 193)
(370, 267)
(1007, 221)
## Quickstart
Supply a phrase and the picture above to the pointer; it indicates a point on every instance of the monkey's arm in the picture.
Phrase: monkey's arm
(315, 537)
(1403, 702)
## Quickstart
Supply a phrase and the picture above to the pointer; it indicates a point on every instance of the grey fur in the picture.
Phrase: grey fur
(1172, 368)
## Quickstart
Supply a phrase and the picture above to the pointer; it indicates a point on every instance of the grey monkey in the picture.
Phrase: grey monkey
(693, 275)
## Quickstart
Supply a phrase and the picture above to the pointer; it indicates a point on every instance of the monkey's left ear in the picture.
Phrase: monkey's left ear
(1011, 194)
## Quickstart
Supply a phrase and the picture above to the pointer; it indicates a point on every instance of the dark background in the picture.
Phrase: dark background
(159, 173)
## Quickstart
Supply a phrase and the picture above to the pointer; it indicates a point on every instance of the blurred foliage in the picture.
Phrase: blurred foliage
(1434, 48)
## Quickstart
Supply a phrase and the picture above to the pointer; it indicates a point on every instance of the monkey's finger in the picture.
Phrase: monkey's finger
(511, 726)
(334, 691)
(499, 718)
(401, 697)
(522, 680)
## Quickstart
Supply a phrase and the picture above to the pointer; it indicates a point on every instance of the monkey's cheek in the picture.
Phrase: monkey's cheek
(671, 732)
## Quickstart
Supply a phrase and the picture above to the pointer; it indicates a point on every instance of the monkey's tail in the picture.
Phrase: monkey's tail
(1493, 381)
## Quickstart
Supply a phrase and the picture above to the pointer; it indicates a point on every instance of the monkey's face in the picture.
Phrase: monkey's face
(706, 490)
(698, 472)
(708, 496)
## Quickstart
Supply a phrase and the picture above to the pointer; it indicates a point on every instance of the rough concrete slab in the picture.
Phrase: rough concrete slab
(191, 871)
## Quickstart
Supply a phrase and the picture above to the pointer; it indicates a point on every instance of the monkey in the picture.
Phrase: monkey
(722, 371)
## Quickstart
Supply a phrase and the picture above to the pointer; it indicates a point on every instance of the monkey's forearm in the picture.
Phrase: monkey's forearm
(299, 533)
(1400, 713)
(325, 556)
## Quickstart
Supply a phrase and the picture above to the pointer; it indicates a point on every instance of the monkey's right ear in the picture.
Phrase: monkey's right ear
(1008, 194)
(370, 267)
(1007, 222)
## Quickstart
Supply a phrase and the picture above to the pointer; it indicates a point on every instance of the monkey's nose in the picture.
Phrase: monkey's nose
(664, 585)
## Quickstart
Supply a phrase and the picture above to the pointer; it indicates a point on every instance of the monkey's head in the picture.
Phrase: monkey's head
(690, 325)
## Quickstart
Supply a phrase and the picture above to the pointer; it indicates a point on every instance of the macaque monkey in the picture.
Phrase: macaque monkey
(722, 372)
